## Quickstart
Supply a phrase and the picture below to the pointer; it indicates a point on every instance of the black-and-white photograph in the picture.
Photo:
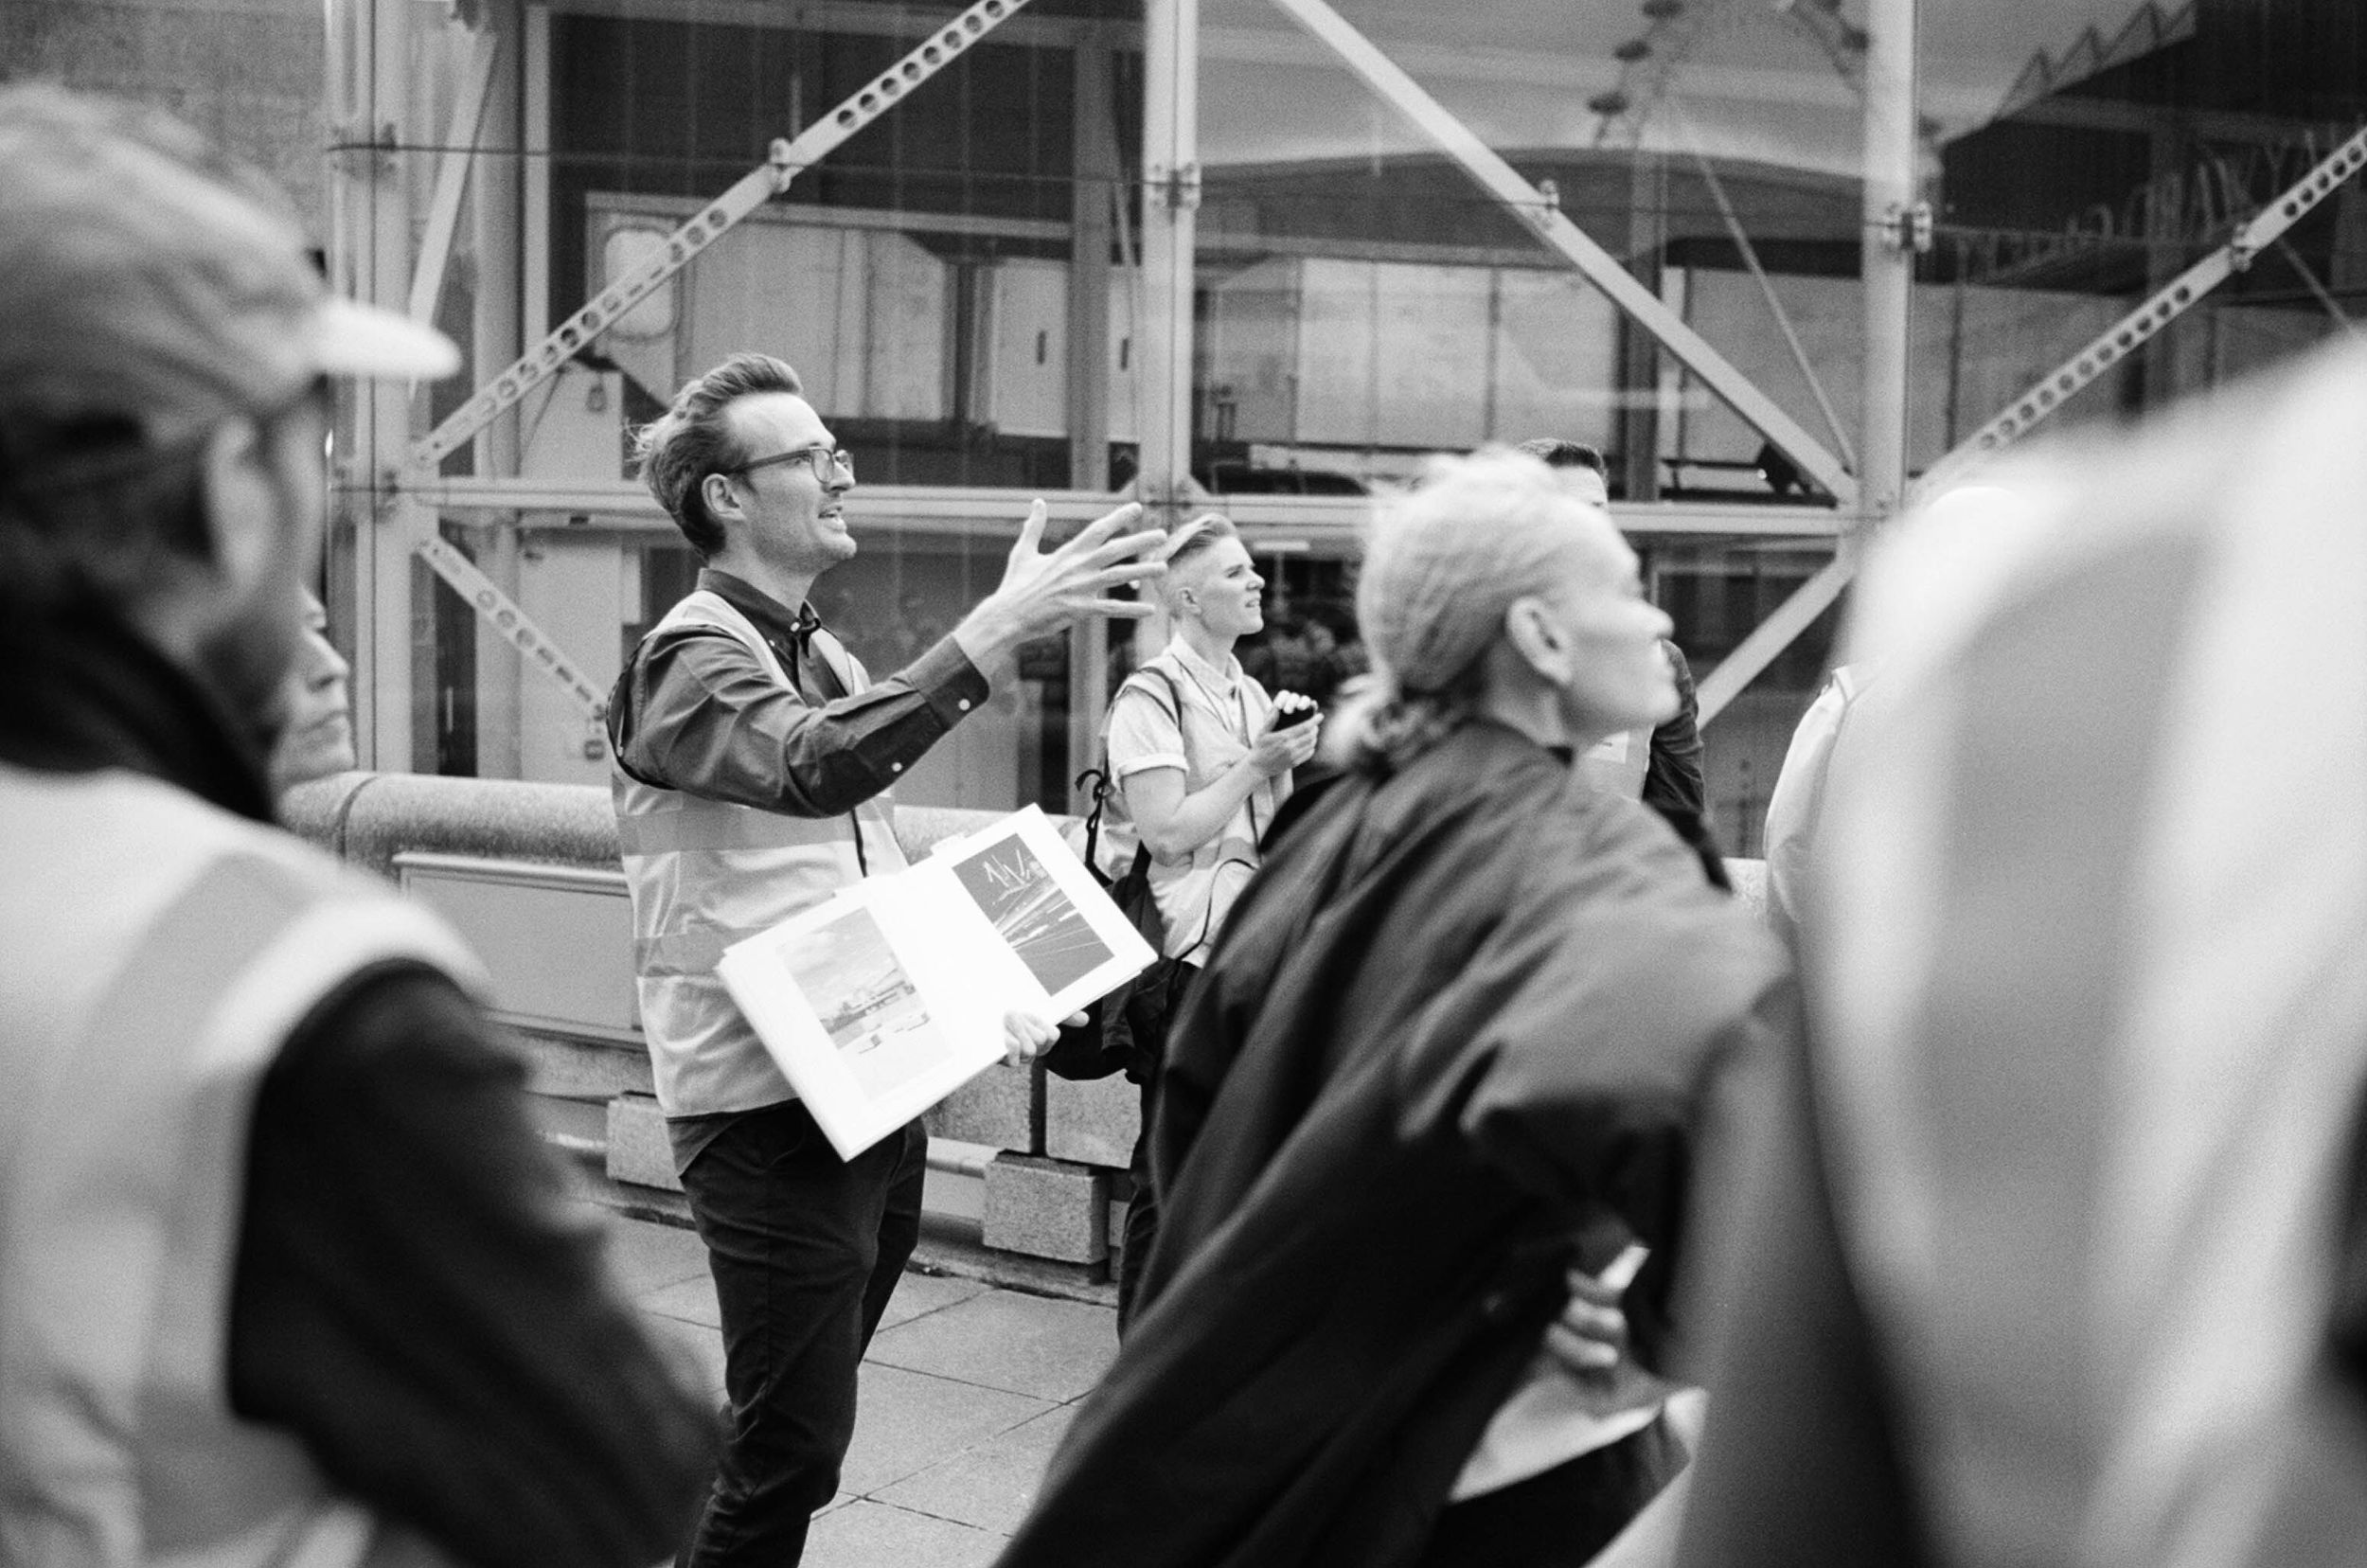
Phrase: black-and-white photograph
(867, 1003)
(1029, 911)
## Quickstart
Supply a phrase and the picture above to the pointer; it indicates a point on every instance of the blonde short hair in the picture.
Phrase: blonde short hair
(1444, 561)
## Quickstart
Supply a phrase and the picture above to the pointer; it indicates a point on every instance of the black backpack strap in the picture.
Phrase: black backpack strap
(1104, 786)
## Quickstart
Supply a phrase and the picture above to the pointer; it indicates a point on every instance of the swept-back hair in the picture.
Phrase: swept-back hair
(693, 438)
(1444, 560)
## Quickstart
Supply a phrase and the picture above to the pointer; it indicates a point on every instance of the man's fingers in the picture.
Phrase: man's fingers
(1576, 1350)
(1031, 531)
(1101, 529)
(1118, 609)
(1087, 555)
(1118, 576)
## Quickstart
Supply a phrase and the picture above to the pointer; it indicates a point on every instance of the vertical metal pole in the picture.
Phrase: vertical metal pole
(1888, 266)
(496, 239)
(382, 684)
(534, 317)
(1170, 218)
(1094, 167)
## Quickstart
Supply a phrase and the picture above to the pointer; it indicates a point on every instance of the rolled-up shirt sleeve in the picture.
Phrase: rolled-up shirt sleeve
(1143, 735)
(697, 711)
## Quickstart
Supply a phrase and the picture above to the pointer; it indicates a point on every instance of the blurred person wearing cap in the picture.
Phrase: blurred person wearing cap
(1661, 766)
(286, 1275)
(2060, 1250)
(1437, 1094)
(755, 757)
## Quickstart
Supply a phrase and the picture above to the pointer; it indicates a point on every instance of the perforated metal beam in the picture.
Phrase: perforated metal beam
(2118, 340)
(788, 159)
(1600, 268)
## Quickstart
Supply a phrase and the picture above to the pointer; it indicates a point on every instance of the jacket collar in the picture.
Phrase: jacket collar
(83, 691)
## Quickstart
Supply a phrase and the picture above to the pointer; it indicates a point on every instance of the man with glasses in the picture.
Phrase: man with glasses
(286, 1274)
(753, 761)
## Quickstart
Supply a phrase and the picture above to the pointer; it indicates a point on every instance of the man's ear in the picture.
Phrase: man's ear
(716, 490)
(240, 494)
(1538, 638)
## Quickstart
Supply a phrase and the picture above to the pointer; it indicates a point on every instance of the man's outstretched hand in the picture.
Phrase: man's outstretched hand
(1045, 590)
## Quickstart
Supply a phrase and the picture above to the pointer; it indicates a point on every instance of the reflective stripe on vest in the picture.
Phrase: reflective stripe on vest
(194, 944)
(705, 874)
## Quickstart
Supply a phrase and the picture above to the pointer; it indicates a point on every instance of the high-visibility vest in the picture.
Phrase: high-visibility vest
(155, 953)
(703, 874)
(2084, 933)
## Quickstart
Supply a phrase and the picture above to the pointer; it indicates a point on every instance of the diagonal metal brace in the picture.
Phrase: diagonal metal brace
(1526, 202)
(2122, 338)
(759, 186)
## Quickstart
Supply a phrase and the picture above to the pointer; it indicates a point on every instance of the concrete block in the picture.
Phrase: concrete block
(638, 1150)
(1092, 1123)
(1002, 1108)
(1047, 1208)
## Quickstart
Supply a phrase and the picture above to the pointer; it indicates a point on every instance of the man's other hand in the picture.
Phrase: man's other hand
(1045, 590)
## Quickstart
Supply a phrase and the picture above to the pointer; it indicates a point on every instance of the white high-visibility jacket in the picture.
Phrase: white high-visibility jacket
(158, 951)
(705, 874)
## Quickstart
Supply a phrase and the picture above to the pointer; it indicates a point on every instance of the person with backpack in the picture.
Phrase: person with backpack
(1201, 759)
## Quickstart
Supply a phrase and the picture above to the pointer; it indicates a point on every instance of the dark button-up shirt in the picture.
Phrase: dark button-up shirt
(695, 710)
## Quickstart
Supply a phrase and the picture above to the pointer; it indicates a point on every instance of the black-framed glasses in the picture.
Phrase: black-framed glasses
(820, 459)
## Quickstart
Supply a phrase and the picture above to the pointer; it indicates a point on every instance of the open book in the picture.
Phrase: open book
(883, 1001)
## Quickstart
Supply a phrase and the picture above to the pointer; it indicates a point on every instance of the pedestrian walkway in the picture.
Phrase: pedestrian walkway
(964, 1393)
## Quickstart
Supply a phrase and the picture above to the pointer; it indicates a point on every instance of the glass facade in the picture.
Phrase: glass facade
(1211, 255)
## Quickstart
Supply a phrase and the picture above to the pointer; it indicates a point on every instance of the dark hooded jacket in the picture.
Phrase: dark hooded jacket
(1459, 1034)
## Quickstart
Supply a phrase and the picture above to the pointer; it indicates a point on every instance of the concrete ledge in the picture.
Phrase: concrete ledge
(1047, 1208)
(639, 1149)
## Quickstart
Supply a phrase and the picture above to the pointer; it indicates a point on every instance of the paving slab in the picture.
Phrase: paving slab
(918, 1294)
(1050, 1350)
(691, 1301)
(702, 1344)
(992, 1485)
(877, 1535)
(906, 1421)
(649, 1256)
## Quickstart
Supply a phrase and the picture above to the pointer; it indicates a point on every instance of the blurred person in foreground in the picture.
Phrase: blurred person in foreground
(1453, 1057)
(286, 1275)
(755, 760)
(1202, 758)
(1959, 534)
(2063, 1255)
(1662, 765)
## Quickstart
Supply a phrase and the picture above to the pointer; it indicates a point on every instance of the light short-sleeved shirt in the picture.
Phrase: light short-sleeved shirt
(1223, 712)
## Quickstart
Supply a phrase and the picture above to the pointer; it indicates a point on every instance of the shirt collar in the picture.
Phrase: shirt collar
(1218, 681)
(778, 621)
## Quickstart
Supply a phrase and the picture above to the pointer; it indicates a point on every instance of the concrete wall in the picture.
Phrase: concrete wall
(248, 73)
(528, 874)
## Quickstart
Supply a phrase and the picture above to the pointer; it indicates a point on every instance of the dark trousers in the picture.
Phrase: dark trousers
(1141, 1207)
(1562, 1518)
(806, 1249)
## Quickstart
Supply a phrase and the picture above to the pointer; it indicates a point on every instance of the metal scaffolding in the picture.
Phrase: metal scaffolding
(394, 476)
